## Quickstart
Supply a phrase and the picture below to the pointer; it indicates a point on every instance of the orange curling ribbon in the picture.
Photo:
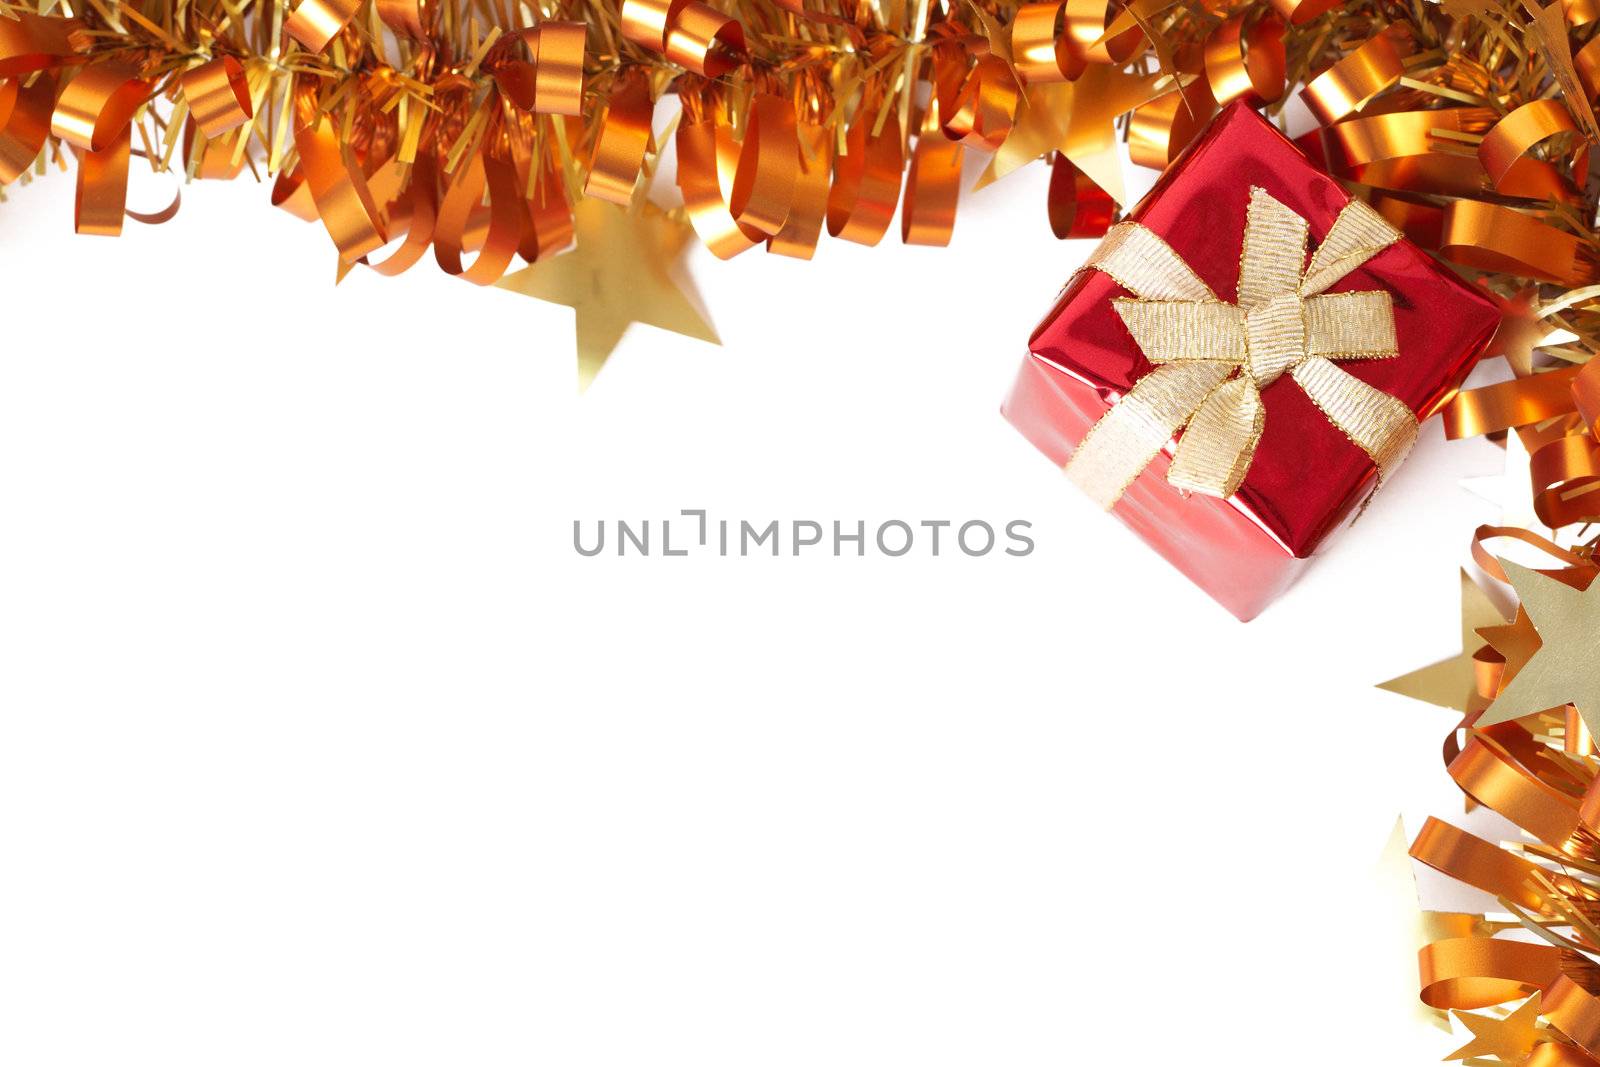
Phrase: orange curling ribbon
(409, 18)
(981, 112)
(415, 211)
(798, 238)
(549, 227)
(1488, 773)
(499, 243)
(1491, 237)
(1044, 53)
(339, 189)
(1478, 863)
(1160, 129)
(1477, 972)
(933, 186)
(1586, 394)
(1519, 131)
(689, 33)
(552, 84)
(1077, 206)
(866, 180)
(24, 122)
(1565, 474)
(218, 98)
(1400, 133)
(1297, 12)
(35, 42)
(1038, 47)
(708, 158)
(216, 162)
(1246, 63)
(769, 159)
(1572, 1009)
(1502, 406)
(314, 23)
(1344, 87)
(94, 114)
(1587, 62)
(1489, 561)
(624, 139)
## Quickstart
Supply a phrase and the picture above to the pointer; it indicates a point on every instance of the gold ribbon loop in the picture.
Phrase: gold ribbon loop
(769, 159)
(624, 139)
(691, 34)
(1514, 135)
(94, 114)
(1076, 205)
(866, 180)
(409, 18)
(1246, 63)
(552, 84)
(317, 22)
(218, 98)
(31, 42)
(1343, 88)
(343, 201)
(798, 238)
(1491, 237)
(708, 158)
(1213, 359)
(1477, 972)
(24, 123)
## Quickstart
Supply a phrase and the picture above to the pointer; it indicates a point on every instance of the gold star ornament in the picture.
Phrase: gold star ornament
(1452, 683)
(1511, 1038)
(622, 271)
(1565, 669)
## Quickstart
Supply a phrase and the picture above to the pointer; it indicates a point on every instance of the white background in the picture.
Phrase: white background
(319, 744)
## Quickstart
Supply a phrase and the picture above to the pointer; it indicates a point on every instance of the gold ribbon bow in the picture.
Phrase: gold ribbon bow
(1281, 324)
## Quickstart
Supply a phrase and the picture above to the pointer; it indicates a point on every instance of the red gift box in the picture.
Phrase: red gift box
(1306, 477)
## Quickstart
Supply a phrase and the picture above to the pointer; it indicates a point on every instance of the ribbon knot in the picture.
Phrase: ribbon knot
(1212, 359)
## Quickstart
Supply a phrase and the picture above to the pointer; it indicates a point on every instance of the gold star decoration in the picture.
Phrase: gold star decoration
(1079, 120)
(1450, 683)
(620, 273)
(1566, 667)
(1511, 1038)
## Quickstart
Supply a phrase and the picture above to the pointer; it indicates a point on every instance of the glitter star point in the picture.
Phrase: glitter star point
(620, 272)
(1565, 669)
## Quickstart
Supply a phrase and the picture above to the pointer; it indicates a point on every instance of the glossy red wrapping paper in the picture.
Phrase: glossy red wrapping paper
(1307, 479)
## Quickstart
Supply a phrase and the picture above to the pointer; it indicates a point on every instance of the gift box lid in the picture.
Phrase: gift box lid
(1306, 476)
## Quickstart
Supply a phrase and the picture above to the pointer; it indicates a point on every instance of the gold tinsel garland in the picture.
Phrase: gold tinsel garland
(475, 126)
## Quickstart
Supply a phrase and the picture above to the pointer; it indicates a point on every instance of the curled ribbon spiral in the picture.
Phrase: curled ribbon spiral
(1213, 359)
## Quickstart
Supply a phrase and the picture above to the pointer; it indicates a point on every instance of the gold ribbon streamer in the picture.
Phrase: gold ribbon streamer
(218, 98)
(1347, 85)
(1077, 206)
(94, 114)
(689, 33)
(552, 84)
(1246, 63)
(933, 186)
(339, 189)
(315, 23)
(624, 139)
(798, 238)
(24, 122)
(30, 42)
(1213, 359)
(866, 180)
(708, 158)
(1514, 135)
